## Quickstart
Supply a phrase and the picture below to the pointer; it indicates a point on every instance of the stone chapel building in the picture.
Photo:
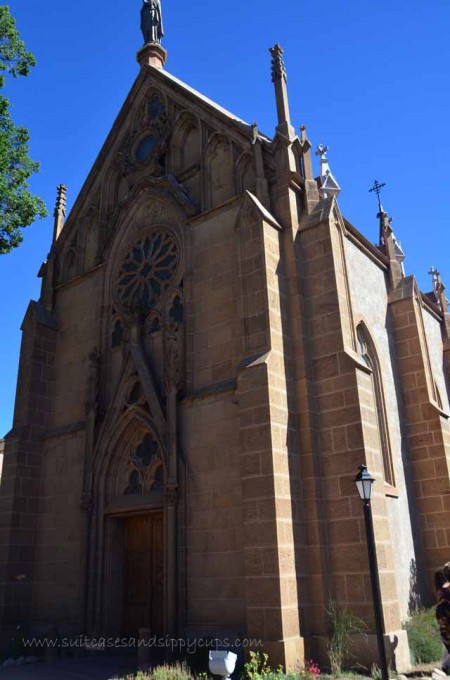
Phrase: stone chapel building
(215, 351)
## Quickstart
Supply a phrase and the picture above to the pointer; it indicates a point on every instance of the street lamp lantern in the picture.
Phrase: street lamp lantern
(364, 483)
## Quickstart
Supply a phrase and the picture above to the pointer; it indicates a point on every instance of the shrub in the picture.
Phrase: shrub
(176, 672)
(258, 668)
(344, 624)
(423, 636)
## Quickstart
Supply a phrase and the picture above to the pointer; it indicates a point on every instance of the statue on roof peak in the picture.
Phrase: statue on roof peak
(151, 21)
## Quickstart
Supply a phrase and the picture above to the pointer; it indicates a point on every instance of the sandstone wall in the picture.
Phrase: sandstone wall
(433, 332)
(210, 431)
(59, 581)
(370, 304)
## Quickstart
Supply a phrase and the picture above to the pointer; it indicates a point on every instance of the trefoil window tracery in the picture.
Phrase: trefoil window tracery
(145, 470)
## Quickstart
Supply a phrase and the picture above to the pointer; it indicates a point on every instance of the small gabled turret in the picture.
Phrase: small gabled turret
(328, 186)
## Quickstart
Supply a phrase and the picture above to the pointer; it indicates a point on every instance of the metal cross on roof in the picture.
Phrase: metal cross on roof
(377, 187)
(435, 273)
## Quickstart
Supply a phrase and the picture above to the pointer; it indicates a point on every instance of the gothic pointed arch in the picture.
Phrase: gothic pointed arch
(145, 256)
(186, 143)
(68, 267)
(245, 173)
(219, 170)
(130, 460)
(375, 399)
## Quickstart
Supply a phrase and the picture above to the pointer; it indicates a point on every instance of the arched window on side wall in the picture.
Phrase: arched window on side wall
(367, 352)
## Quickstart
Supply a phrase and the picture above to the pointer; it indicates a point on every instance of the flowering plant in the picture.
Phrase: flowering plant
(310, 670)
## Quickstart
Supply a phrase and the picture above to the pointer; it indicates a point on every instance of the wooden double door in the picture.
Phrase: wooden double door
(144, 574)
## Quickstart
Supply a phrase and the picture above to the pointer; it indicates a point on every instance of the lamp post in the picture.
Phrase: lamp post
(364, 483)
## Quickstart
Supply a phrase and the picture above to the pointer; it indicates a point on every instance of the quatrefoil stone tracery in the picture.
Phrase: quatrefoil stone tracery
(147, 271)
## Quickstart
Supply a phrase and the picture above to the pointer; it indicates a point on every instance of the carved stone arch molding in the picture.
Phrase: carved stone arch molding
(147, 217)
(219, 170)
(186, 143)
(154, 102)
(68, 266)
(245, 173)
(115, 185)
(150, 266)
(116, 453)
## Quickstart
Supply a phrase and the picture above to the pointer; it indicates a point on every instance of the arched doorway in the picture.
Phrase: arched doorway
(127, 589)
(143, 587)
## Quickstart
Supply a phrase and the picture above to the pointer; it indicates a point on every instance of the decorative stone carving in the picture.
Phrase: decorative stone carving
(144, 469)
(171, 495)
(147, 272)
(151, 145)
(157, 213)
(135, 394)
(278, 67)
(172, 357)
(93, 382)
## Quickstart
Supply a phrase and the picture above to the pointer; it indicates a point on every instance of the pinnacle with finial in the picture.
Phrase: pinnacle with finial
(61, 201)
(328, 184)
(278, 67)
(439, 289)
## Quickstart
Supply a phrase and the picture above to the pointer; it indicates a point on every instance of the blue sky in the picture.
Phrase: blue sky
(370, 80)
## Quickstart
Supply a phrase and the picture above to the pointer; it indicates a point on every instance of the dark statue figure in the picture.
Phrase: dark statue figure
(151, 21)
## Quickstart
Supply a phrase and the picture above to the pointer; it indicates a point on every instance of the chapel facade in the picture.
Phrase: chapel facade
(215, 351)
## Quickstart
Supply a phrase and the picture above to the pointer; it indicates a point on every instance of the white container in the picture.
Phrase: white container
(222, 663)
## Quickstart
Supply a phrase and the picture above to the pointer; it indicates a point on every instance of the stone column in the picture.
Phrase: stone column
(172, 377)
(20, 491)
(427, 425)
(268, 490)
(343, 437)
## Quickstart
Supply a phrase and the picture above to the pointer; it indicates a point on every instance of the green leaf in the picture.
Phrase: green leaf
(18, 206)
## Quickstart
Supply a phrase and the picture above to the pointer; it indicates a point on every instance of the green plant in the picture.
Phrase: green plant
(178, 671)
(423, 636)
(375, 672)
(18, 206)
(310, 670)
(257, 666)
(344, 624)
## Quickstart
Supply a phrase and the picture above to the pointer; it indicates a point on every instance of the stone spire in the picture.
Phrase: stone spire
(279, 79)
(439, 289)
(388, 241)
(328, 184)
(152, 54)
(306, 154)
(60, 211)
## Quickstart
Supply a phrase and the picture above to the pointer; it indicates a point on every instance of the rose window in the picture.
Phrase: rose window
(147, 271)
